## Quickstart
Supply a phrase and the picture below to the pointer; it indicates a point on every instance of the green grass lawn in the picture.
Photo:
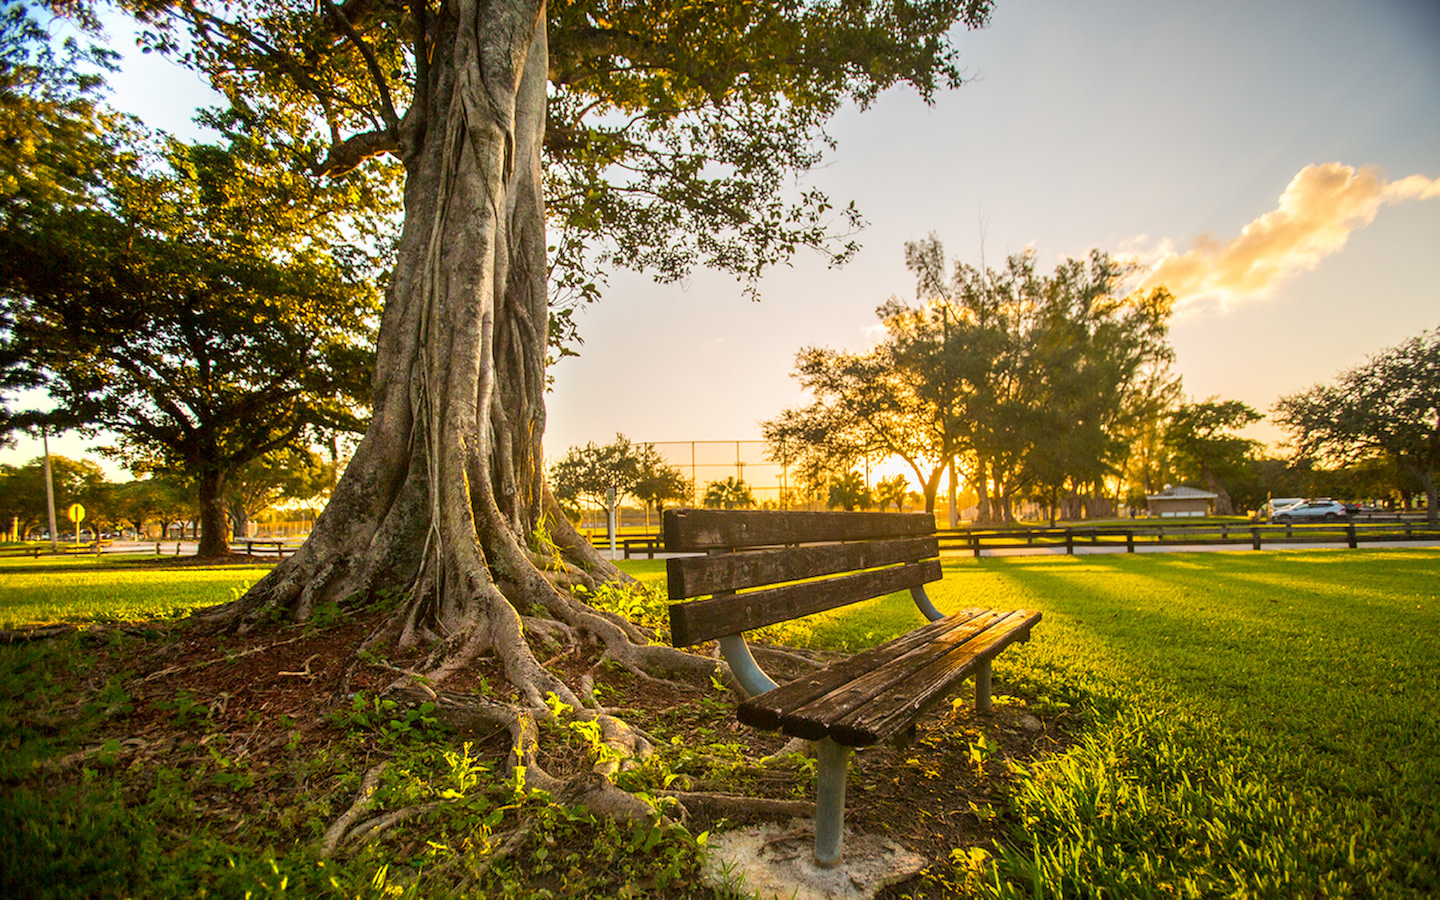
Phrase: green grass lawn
(1244, 725)
(59, 589)
(1255, 724)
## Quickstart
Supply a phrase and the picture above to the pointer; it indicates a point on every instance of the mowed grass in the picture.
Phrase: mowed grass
(69, 590)
(1261, 724)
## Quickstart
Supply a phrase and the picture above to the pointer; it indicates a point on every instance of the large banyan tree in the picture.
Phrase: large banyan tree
(663, 135)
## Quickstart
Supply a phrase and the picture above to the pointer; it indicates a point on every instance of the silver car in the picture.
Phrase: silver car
(1322, 509)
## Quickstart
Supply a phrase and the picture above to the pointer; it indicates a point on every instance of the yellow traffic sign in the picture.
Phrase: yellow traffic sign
(76, 513)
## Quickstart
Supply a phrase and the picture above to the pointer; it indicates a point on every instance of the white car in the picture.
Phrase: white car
(1322, 509)
(1273, 506)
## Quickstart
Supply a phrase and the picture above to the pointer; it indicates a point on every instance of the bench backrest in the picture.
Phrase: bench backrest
(789, 564)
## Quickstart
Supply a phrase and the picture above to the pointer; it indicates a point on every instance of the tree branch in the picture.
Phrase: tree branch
(350, 153)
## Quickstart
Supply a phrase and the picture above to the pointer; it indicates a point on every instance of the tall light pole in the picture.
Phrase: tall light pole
(50, 493)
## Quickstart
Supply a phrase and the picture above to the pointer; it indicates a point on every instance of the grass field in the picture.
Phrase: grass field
(1263, 724)
(77, 590)
(1247, 725)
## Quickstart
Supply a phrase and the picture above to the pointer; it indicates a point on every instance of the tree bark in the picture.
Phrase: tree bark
(443, 496)
(213, 527)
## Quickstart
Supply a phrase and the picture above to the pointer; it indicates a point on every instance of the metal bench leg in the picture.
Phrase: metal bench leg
(830, 803)
(982, 687)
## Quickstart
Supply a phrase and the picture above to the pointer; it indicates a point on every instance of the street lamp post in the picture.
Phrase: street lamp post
(50, 492)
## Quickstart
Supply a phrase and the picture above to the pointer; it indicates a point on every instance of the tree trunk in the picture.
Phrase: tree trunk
(213, 522)
(1224, 506)
(239, 521)
(1426, 477)
(444, 501)
(982, 492)
(953, 495)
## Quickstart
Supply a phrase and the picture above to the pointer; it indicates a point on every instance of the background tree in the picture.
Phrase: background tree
(656, 482)
(22, 492)
(601, 475)
(1031, 383)
(175, 499)
(1388, 407)
(1205, 450)
(849, 491)
(285, 474)
(137, 502)
(193, 312)
(813, 444)
(728, 493)
(895, 489)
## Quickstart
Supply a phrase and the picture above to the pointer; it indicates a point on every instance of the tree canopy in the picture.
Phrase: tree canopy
(1205, 449)
(1389, 407)
(22, 491)
(728, 493)
(1032, 382)
(672, 132)
(193, 313)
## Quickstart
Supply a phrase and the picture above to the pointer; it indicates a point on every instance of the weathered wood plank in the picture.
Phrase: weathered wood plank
(768, 710)
(702, 620)
(888, 713)
(692, 576)
(699, 530)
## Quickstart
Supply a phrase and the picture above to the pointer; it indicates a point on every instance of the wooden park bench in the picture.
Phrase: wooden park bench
(252, 545)
(762, 568)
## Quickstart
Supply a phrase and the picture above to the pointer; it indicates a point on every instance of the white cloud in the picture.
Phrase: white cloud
(1320, 208)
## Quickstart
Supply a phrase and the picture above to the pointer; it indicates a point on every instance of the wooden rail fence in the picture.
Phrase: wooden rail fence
(1350, 534)
(1147, 536)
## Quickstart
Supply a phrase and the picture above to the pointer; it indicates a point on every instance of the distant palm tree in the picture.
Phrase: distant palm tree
(732, 493)
(849, 491)
(892, 490)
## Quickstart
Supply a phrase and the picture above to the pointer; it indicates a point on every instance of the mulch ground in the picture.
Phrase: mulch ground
(266, 697)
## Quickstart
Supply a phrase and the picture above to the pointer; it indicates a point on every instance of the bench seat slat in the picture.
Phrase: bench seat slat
(768, 710)
(699, 530)
(703, 620)
(692, 576)
(882, 702)
(890, 713)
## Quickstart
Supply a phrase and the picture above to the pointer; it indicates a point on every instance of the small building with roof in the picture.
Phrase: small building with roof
(1180, 501)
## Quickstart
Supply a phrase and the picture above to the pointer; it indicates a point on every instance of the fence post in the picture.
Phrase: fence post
(1255, 538)
(1129, 540)
(1353, 542)
(975, 544)
(1069, 542)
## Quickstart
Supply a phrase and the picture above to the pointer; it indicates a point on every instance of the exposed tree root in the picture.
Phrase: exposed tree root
(364, 801)
(34, 633)
(374, 827)
(715, 806)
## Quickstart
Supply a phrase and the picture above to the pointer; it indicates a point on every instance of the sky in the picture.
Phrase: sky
(1276, 164)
